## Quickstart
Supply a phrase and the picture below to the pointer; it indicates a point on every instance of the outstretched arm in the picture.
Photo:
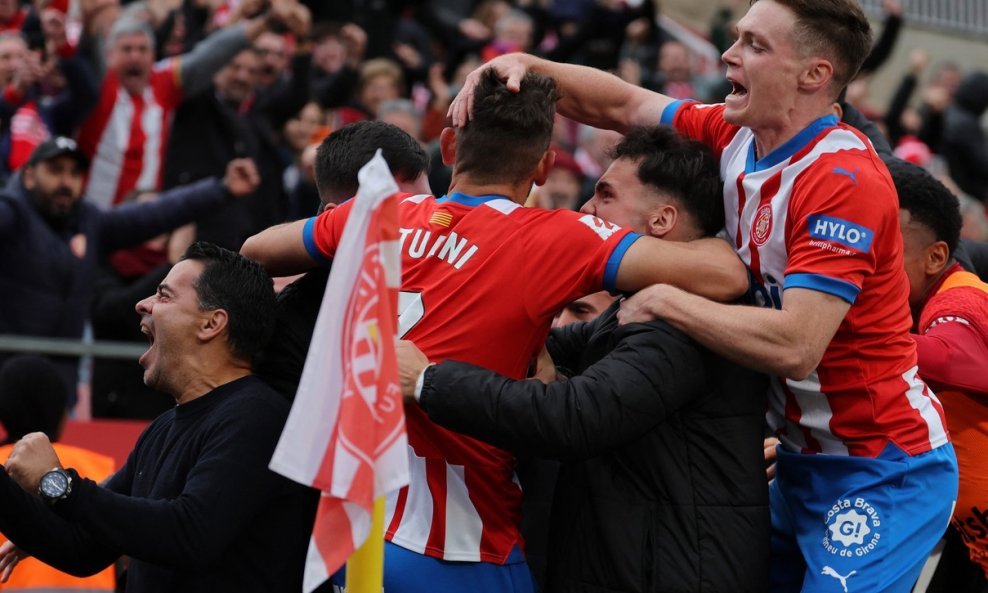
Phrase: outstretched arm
(280, 249)
(707, 267)
(788, 342)
(586, 94)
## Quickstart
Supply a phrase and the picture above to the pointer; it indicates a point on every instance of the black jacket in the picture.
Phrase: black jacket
(662, 487)
(965, 145)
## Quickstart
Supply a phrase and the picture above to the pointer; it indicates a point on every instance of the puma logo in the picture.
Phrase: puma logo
(852, 174)
(843, 579)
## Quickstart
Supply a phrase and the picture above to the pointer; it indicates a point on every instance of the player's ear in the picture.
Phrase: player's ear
(545, 166)
(937, 257)
(212, 324)
(817, 74)
(447, 146)
(661, 220)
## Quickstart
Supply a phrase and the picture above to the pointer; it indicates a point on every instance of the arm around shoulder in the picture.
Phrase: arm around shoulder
(707, 267)
(280, 249)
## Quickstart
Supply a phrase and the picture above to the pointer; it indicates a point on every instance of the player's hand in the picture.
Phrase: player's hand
(771, 454)
(545, 369)
(32, 457)
(510, 67)
(411, 363)
(646, 304)
(241, 177)
(10, 555)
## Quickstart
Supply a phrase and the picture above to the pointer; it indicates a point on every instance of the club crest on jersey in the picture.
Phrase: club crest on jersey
(762, 227)
(852, 528)
(840, 231)
(600, 226)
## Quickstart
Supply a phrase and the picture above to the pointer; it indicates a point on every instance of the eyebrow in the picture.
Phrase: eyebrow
(603, 185)
(163, 288)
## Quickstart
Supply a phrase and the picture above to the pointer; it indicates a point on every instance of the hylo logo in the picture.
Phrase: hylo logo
(838, 230)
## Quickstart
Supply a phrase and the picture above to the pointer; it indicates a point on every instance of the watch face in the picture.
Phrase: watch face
(54, 484)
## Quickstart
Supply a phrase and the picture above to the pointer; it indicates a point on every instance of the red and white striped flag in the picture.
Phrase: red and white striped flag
(346, 434)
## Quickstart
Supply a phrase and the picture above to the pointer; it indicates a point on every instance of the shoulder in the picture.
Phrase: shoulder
(965, 304)
(253, 399)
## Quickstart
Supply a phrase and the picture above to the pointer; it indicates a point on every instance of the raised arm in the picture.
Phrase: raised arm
(586, 94)
(197, 67)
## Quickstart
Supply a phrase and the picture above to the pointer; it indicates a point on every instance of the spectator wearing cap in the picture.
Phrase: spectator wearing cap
(51, 240)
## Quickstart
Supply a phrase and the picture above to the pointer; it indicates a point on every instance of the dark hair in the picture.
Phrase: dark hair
(345, 151)
(928, 201)
(835, 29)
(509, 131)
(683, 168)
(242, 288)
(32, 397)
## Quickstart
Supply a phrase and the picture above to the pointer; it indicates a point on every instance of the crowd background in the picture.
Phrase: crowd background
(307, 67)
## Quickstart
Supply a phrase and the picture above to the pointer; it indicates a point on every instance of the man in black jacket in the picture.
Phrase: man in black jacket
(195, 507)
(661, 488)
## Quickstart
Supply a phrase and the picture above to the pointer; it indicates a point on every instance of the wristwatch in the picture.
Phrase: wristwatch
(55, 485)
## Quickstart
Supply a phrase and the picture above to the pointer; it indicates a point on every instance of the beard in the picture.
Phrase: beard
(57, 206)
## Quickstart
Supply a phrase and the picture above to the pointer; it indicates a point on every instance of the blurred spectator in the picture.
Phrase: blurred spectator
(336, 58)
(562, 189)
(51, 240)
(598, 37)
(12, 15)
(380, 80)
(46, 93)
(593, 153)
(673, 75)
(401, 114)
(126, 137)
(301, 134)
(513, 32)
(965, 146)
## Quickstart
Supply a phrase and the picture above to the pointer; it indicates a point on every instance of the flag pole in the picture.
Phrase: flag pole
(365, 568)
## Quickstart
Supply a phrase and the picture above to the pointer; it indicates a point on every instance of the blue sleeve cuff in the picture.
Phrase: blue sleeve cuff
(309, 240)
(614, 262)
(669, 113)
(826, 284)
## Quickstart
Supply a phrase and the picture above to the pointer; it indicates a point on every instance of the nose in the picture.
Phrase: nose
(143, 306)
(729, 56)
(590, 206)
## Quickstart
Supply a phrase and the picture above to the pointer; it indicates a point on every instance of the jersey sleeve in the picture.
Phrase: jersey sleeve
(953, 343)
(321, 234)
(573, 254)
(701, 122)
(167, 81)
(840, 218)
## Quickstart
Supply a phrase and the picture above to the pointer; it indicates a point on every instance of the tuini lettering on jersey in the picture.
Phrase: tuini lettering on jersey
(453, 249)
(838, 230)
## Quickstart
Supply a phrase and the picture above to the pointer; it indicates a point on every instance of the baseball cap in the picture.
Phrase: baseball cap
(56, 147)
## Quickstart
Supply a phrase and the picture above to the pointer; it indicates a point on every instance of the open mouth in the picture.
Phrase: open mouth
(149, 334)
(737, 89)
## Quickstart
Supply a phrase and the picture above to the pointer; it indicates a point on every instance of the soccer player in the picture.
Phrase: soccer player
(482, 278)
(866, 476)
(950, 308)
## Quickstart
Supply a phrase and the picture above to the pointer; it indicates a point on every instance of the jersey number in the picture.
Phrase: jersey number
(411, 309)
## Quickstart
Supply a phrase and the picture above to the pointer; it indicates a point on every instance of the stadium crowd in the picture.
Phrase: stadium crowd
(707, 244)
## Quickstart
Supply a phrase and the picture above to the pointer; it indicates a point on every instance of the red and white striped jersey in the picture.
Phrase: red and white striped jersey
(126, 135)
(821, 213)
(482, 278)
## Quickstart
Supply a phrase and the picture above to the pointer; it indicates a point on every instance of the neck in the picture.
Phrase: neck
(771, 137)
(516, 192)
(207, 377)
